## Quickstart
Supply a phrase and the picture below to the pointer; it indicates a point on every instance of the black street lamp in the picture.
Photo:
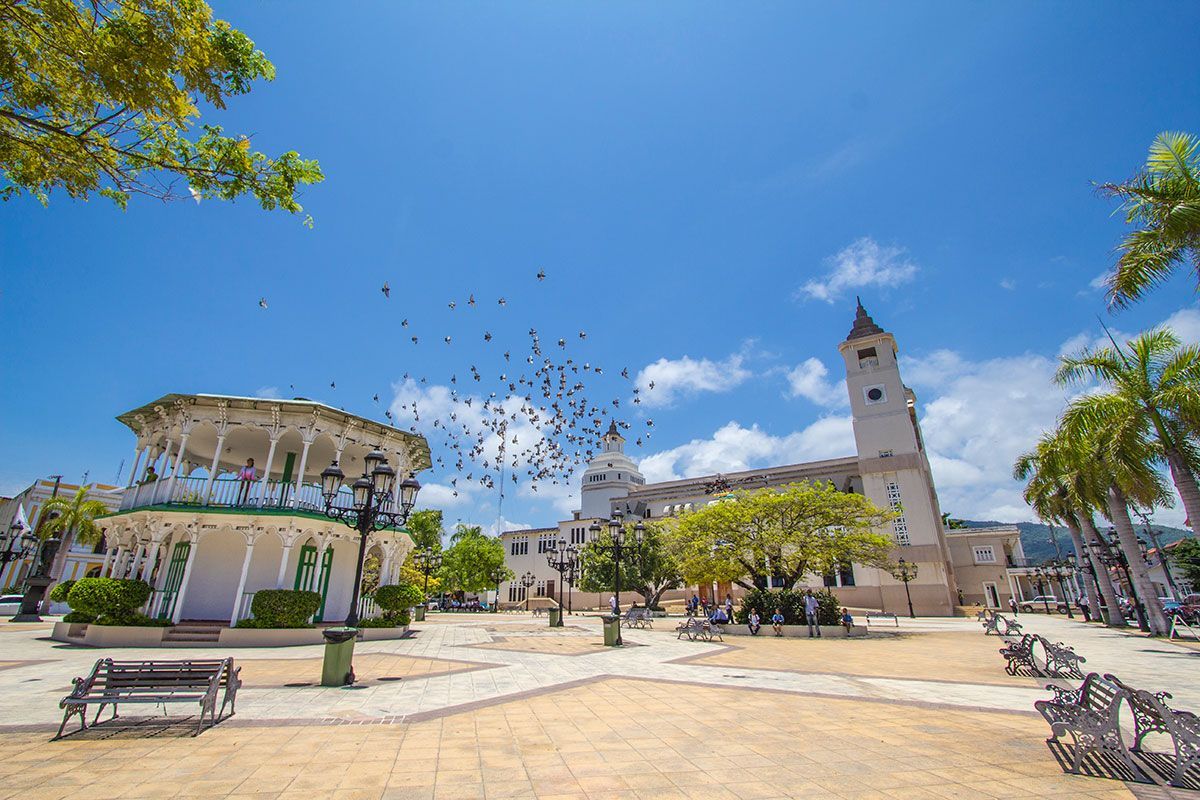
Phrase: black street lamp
(562, 559)
(1038, 578)
(1084, 565)
(527, 580)
(497, 577)
(368, 512)
(572, 579)
(428, 561)
(37, 582)
(620, 549)
(18, 544)
(1110, 554)
(1162, 555)
(906, 572)
(1056, 571)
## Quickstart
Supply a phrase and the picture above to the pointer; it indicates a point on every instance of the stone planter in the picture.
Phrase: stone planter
(270, 637)
(122, 636)
(69, 632)
(376, 634)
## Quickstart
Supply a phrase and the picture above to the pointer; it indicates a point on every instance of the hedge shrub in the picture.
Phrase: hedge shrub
(110, 601)
(283, 608)
(60, 591)
(398, 597)
(791, 603)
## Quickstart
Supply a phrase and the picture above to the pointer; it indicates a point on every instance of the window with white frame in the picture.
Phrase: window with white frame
(516, 593)
(899, 524)
(985, 554)
(545, 544)
(578, 535)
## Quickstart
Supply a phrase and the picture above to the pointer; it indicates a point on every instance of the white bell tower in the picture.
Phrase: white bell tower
(609, 475)
(893, 462)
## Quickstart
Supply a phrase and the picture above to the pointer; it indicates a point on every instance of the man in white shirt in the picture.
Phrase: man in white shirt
(811, 608)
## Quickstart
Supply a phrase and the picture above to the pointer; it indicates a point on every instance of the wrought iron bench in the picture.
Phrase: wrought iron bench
(694, 628)
(1061, 659)
(637, 618)
(1090, 714)
(1151, 714)
(1020, 654)
(112, 683)
(992, 624)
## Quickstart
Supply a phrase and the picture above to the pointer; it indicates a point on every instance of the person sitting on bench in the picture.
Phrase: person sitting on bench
(754, 622)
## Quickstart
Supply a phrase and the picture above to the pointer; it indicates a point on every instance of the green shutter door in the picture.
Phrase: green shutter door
(323, 583)
(304, 567)
(179, 557)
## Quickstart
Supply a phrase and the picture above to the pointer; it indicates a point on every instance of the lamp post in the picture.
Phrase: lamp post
(368, 512)
(527, 580)
(1162, 555)
(1084, 565)
(428, 561)
(906, 572)
(1056, 571)
(562, 559)
(38, 581)
(497, 577)
(18, 544)
(620, 549)
(572, 578)
(1039, 576)
(1111, 555)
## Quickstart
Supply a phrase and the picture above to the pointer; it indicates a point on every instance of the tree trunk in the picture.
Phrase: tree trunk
(1118, 512)
(1081, 558)
(1185, 482)
(1116, 618)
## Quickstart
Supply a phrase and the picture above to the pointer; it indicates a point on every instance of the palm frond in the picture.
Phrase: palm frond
(1174, 154)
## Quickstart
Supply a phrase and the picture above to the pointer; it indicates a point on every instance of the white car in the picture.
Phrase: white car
(1041, 602)
(10, 604)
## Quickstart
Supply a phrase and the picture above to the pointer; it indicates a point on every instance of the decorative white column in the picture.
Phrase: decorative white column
(148, 562)
(178, 463)
(137, 559)
(177, 613)
(300, 475)
(283, 562)
(212, 469)
(137, 462)
(237, 597)
(166, 453)
(108, 555)
(262, 486)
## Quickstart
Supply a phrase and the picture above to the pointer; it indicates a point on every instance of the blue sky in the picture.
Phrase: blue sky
(707, 186)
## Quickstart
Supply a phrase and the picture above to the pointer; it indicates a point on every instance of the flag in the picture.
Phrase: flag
(21, 521)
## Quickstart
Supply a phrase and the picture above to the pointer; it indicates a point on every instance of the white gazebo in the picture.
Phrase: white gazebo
(207, 538)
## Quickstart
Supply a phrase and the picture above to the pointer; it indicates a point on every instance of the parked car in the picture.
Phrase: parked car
(1041, 602)
(1188, 608)
(9, 604)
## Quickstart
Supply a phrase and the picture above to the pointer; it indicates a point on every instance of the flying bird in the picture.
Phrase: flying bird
(451, 305)
(541, 276)
(332, 385)
(387, 290)
(471, 301)
(502, 302)
(262, 302)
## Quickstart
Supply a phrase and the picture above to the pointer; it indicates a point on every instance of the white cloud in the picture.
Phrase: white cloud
(1008, 284)
(502, 525)
(1186, 324)
(676, 378)
(862, 263)
(1100, 281)
(809, 380)
(732, 448)
(267, 392)
(438, 495)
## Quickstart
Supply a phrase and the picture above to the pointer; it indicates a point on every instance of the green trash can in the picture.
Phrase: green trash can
(419, 613)
(612, 630)
(337, 668)
(556, 620)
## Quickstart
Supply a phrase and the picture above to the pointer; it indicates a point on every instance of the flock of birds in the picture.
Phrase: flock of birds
(534, 419)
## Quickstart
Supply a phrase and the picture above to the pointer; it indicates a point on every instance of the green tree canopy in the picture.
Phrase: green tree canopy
(1185, 556)
(104, 96)
(651, 572)
(471, 561)
(790, 531)
(425, 528)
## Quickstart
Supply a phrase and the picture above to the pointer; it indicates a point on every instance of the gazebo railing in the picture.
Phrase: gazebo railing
(231, 493)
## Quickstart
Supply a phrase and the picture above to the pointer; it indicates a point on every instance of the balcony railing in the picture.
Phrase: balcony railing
(197, 492)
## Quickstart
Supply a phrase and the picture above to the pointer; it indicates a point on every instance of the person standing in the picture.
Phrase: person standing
(811, 607)
(1012, 603)
(729, 607)
(613, 608)
(754, 622)
(1085, 608)
(246, 475)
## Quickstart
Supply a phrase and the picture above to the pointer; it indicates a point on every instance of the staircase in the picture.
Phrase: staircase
(201, 633)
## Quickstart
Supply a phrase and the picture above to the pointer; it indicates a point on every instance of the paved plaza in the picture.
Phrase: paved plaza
(478, 706)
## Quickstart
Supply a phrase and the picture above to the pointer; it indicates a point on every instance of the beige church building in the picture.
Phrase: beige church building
(890, 466)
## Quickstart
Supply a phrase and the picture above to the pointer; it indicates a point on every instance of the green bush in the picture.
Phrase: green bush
(60, 591)
(110, 601)
(283, 608)
(78, 616)
(398, 596)
(791, 603)
(389, 620)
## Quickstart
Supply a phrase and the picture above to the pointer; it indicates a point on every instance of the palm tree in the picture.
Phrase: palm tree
(1163, 200)
(1123, 454)
(1061, 487)
(1155, 382)
(76, 515)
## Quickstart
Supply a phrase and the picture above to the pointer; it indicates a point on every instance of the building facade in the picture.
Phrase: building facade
(207, 535)
(890, 466)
